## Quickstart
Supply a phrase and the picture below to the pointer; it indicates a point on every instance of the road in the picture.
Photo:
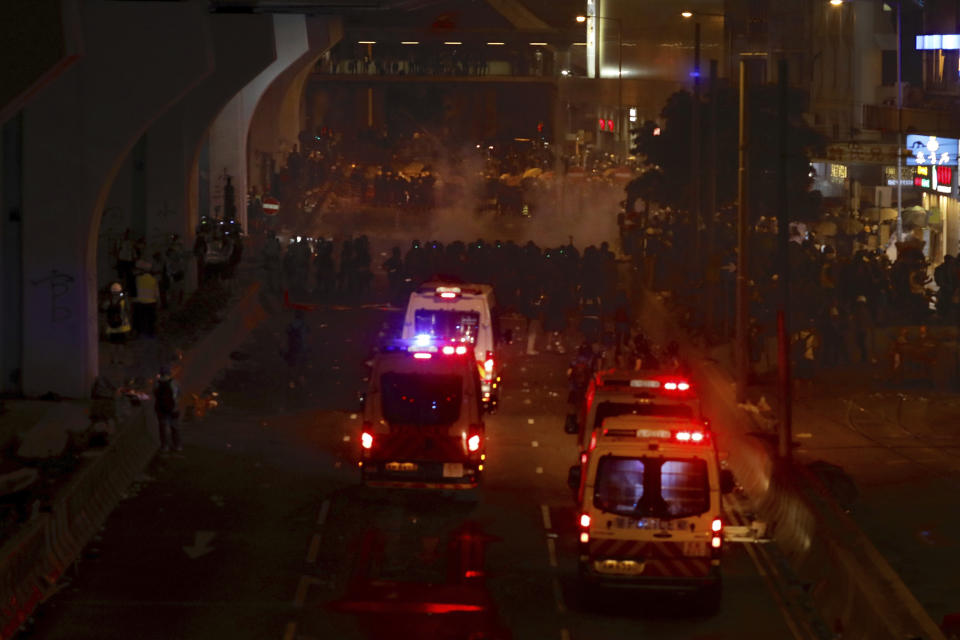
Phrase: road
(259, 529)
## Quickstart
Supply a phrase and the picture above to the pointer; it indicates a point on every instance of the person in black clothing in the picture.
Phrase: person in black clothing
(166, 393)
(394, 268)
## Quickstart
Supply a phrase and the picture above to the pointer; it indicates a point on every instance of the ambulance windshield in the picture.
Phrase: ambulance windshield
(652, 487)
(661, 410)
(447, 323)
(421, 399)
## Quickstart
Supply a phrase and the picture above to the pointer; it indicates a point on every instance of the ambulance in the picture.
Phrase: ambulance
(422, 417)
(614, 392)
(463, 313)
(649, 516)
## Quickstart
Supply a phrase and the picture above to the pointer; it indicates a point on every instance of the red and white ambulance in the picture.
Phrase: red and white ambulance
(649, 512)
(422, 418)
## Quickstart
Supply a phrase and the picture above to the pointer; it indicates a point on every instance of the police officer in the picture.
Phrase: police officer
(118, 323)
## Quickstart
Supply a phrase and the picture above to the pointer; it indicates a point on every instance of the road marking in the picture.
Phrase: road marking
(545, 512)
(324, 510)
(804, 435)
(314, 548)
(290, 631)
(558, 596)
(564, 634)
(552, 552)
(772, 578)
(302, 586)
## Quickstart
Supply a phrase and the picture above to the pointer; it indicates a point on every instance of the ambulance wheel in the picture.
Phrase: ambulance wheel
(588, 595)
(709, 600)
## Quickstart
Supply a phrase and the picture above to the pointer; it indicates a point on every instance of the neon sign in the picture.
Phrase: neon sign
(931, 150)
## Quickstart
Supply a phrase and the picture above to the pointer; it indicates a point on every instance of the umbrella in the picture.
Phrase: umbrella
(827, 228)
(412, 169)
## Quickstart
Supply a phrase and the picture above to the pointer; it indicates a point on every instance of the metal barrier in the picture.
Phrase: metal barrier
(33, 561)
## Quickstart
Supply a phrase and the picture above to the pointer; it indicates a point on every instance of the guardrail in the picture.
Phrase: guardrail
(33, 560)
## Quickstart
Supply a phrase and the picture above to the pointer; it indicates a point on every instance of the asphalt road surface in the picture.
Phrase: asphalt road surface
(259, 529)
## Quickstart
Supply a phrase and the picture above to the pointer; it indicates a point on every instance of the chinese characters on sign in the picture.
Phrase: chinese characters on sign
(931, 150)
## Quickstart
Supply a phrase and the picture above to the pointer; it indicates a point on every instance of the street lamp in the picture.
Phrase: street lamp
(695, 161)
(837, 3)
(583, 18)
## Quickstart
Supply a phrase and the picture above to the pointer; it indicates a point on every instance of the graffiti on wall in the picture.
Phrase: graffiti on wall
(59, 285)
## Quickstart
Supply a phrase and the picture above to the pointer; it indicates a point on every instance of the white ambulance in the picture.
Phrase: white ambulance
(649, 517)
(615, 392)
(422, 418)
(465, 313)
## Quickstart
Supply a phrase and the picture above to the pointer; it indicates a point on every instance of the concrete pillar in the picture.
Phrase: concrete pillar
(139, 59)
(279, 114)
(229, 151)
(243, 46)
(11, 254)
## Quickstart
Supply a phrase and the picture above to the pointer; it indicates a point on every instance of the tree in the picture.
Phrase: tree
(671, 151)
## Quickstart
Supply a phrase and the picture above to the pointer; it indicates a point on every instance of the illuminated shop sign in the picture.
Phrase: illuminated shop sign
(938, 41)
(931, 150)
(939, 179)
(944, 179)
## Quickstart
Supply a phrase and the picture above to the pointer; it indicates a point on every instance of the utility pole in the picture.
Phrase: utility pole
(742, 345)
(899, 128)
(783, 223)
(695, 163)
(711, 285)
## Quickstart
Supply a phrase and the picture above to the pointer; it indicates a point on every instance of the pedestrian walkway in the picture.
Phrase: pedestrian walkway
(45, 440)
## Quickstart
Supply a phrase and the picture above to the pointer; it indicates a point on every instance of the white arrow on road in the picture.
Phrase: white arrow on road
(201, 544)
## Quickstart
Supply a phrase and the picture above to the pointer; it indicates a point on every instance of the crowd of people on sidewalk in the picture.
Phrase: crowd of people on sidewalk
(446, 60)
(842, 292)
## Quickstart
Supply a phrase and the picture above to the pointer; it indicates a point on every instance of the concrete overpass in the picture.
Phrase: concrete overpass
(124, 108)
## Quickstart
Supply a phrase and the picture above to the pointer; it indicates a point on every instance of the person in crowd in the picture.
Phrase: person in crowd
(147, 299)
(176, 270)
(271, 256)
(166, 393)
(126, 256)
(118, 327)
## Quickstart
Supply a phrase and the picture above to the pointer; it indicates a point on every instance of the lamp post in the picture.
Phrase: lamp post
(599, 68)
(695, 161)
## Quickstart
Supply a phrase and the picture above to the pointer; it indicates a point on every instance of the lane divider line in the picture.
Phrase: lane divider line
(324, 510)
(314, 548)
(290, 631)
(558, 596)
(545, 511)
(771, 577)
(302, 587)
(552, 551)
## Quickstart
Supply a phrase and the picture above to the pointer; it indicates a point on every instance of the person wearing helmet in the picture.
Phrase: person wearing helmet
(117, 316)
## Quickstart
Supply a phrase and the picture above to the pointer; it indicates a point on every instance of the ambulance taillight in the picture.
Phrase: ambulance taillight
(584, 528)
(716, 528)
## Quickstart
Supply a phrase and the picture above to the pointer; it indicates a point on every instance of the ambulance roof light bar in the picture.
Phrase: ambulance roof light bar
(691, 436)
(448, 293)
